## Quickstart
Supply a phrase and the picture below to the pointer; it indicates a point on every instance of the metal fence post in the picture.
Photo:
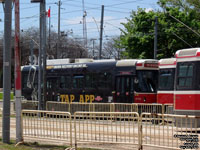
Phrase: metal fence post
(112, 106)
(163, 112)
(69, 109)
(75, 140)
(70, 119)
(47, 105)
(140, 132)
(22, 134)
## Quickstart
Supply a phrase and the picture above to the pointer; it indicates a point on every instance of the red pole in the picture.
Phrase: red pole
(17, 49)
(17, 75)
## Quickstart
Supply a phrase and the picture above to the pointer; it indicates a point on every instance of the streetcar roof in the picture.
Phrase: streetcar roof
(58, 61)
(126, 62)
(167, 63)
(187, 53)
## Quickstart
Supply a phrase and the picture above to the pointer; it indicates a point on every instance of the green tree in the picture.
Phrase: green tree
(185, 5)
(138, 36)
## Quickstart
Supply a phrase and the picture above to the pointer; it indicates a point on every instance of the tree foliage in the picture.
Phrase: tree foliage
(185, 5)
(138, 36)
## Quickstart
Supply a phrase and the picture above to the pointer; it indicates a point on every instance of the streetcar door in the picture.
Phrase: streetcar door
(124, 89)
(52, 87)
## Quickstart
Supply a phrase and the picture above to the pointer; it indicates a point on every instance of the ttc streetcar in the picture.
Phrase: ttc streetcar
(88, 81)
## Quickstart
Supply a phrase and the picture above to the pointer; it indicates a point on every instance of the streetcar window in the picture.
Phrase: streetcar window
(122, 84)
(68, 81)
(185, 75)
(62, 82)
(101, 80)
(132, 84)
(146, 81)
(127, 84)
(104, 80)
(108, 79)
(89, 81)
(78, 81)
(52, 83)
(65, 82)
(118, 84)
(166, 79)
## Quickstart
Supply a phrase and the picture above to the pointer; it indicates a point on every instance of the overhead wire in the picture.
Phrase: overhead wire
(122, 2)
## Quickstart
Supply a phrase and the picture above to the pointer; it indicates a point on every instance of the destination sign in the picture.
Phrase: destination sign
(67, 66)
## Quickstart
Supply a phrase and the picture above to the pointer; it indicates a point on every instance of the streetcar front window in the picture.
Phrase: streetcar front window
(185, 75)
(166, 79)
(147, 81)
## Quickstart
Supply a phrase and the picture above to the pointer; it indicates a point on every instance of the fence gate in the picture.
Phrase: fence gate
(107, 127)
(170, 131)
(47, 125)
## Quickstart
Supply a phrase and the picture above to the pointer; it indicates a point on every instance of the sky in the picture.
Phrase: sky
(115, 12)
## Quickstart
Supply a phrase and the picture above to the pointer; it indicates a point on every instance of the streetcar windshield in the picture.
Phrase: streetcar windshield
(166, 79)
(147, 81)
(185, 75)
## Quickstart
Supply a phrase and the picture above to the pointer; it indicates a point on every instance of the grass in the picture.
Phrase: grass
(11, 95)
(34, 146)
(30, 146)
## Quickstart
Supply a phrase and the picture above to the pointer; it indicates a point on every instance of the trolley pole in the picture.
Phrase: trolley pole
(155, 37)
(7, 71)
(17, 75)
(101, 31)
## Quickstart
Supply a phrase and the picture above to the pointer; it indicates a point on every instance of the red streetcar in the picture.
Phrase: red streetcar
(187, 82)
(136, 81)
(165, 93)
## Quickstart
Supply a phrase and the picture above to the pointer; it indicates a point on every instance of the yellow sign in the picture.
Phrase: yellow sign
(82, 99)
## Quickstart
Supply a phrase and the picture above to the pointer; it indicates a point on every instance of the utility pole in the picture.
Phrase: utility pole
(44, 42)
(49, 30)
(40, 63)
(101, 31)
(155, 37)
(42, 54)
(93, 40)
(58, 42)
(7, 70)
(17, 74)
(31, 51)
(84, 25)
